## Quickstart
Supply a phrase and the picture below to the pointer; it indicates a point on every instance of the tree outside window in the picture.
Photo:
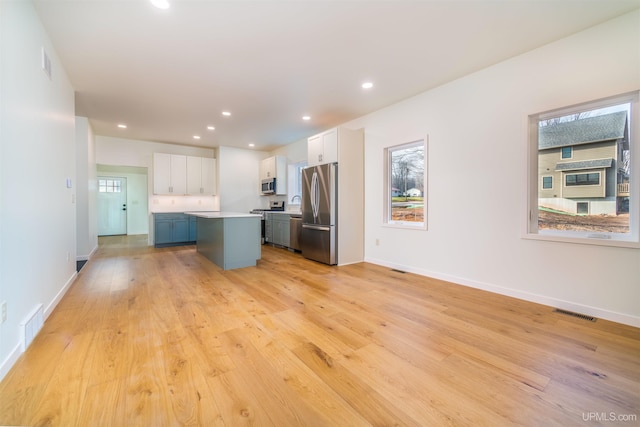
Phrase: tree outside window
(406, 184)
(590, 151)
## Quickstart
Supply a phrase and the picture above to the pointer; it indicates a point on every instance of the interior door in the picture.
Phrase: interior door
(112, 206)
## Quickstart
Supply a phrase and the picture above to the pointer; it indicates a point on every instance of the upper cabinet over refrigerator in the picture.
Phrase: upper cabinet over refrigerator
(323, 148)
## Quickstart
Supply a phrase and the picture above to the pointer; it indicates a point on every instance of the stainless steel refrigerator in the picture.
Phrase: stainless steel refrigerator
(319, 213)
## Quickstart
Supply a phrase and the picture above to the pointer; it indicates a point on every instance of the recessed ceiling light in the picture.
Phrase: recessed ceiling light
(160, 4)
(306, 117)
(226, 113)
(211, 128)
(122, 126)
(196, 136)
(367, 85)
(252, 145)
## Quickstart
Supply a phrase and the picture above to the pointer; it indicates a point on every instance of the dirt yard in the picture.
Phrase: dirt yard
(595, 223)
(407, 214)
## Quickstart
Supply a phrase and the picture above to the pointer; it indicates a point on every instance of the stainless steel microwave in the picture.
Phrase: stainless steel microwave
(269, 186)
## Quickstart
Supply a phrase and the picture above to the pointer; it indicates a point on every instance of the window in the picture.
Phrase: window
(405, 185)
(582, 179)
(295, 182)
(592, 149)
(583, 208)
(109, 186)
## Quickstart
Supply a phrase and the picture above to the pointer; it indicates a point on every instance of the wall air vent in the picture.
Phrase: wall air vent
(578, 315)
(31, 325)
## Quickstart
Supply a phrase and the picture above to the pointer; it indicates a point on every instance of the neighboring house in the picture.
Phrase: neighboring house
(580, 165)
(395, 192)
(414, 192)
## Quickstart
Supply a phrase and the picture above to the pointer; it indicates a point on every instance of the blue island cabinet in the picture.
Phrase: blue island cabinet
(173, 229)
(229, 240)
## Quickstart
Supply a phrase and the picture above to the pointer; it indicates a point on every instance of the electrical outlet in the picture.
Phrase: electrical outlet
(68, 256)
(4, 312)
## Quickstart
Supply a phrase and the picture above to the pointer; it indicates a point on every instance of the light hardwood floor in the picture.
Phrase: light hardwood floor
(163, 337)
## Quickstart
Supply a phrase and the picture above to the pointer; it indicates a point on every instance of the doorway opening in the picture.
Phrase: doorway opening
(112, 206)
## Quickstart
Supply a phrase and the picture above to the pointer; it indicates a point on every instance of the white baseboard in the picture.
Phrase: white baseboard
(9, 361)
(87, 257)
(13, 356)
(526, 296)
(52, 305)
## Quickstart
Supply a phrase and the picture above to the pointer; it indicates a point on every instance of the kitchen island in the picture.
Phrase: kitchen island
(228, 239)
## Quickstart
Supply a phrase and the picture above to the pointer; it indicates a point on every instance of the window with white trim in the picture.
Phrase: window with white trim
(295, 182)
(591, 149)
(109, 186)
(405, 185)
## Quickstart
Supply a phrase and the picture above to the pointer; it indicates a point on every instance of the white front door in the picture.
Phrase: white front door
(112, 206)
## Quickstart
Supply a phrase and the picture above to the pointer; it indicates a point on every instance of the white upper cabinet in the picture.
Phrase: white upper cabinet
(201, 176)
(275, 167)
(268, 168)
(169, 173)
(176, 174)
(323, 148)
(209, 175)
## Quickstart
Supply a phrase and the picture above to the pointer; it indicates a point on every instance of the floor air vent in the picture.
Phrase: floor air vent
(398, 271)
(578, 315)
(31, 325)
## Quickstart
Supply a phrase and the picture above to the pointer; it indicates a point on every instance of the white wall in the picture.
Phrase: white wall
(129, 152)
(477, 130)
(295, 153)
(86, 189)
(238, 179)
(37, 145)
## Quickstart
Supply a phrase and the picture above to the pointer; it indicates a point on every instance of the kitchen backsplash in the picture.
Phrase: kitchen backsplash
(183, 203)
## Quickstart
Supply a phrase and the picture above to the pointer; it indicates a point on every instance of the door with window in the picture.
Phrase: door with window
(112, 206)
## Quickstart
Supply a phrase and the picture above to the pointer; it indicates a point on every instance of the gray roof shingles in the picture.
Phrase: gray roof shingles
(591, 129)
(585, 164)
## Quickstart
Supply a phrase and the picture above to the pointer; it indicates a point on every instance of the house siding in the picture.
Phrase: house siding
(547, 166)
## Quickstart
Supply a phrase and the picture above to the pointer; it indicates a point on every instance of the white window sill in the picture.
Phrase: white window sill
(407, 225)
(598, 239)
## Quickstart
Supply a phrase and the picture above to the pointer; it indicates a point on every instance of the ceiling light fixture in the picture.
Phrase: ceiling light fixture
(211, 128)
(196, 136)
(226, 113)
(306, 117)
(160, 4)
(367, 85)
(252, 145)
(122, 126)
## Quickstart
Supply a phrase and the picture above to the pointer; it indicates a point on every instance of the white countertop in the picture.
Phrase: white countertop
(177, 212)
(217, 214)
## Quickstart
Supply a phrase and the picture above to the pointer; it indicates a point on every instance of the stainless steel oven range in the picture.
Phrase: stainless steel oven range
(275, 206)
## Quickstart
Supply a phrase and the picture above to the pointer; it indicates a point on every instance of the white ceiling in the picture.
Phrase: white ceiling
(168, 74)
